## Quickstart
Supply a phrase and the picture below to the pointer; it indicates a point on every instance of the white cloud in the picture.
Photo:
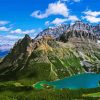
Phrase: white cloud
(73, 18)
(3, 28)
(58, 21)
(57, 8)
(12, 37)
(92, 13)
(92, 16)
(3, 22)
(7, 41)
(92, 19)
(8, 38)
(19, 31)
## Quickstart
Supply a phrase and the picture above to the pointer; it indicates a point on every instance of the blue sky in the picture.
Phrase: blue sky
(20, 17)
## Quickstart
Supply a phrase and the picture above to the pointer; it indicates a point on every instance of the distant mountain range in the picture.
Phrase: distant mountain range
(54, 54)
(77, 26)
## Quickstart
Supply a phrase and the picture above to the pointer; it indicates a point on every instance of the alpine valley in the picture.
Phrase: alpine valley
(34, 68)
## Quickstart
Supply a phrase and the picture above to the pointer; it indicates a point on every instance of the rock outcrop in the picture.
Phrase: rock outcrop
(79, 29)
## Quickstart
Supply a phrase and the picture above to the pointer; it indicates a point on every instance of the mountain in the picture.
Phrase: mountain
(48, 57)
(54, 31)
(80, 30)
(97, 30)
(18, 54)
(78, 26)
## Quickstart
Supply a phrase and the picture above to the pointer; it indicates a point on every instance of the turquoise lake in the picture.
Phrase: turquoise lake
(88, 80)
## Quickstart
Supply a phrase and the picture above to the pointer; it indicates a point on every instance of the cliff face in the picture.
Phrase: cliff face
(50, 58)
(55, 32)
(78, 29)
(97, 31)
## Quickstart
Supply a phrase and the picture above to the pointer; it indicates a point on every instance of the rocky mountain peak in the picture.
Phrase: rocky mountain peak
(79, 28)
(26, 40)
(19, 53)
(27, 37)
(55, 32)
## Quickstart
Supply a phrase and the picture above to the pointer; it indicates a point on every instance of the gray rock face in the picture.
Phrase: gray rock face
(97, 31)
(78, 29)
(54, 32)
(80, 26)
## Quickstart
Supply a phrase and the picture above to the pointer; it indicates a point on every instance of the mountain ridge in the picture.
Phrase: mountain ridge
(50, 58)
(77, 26)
